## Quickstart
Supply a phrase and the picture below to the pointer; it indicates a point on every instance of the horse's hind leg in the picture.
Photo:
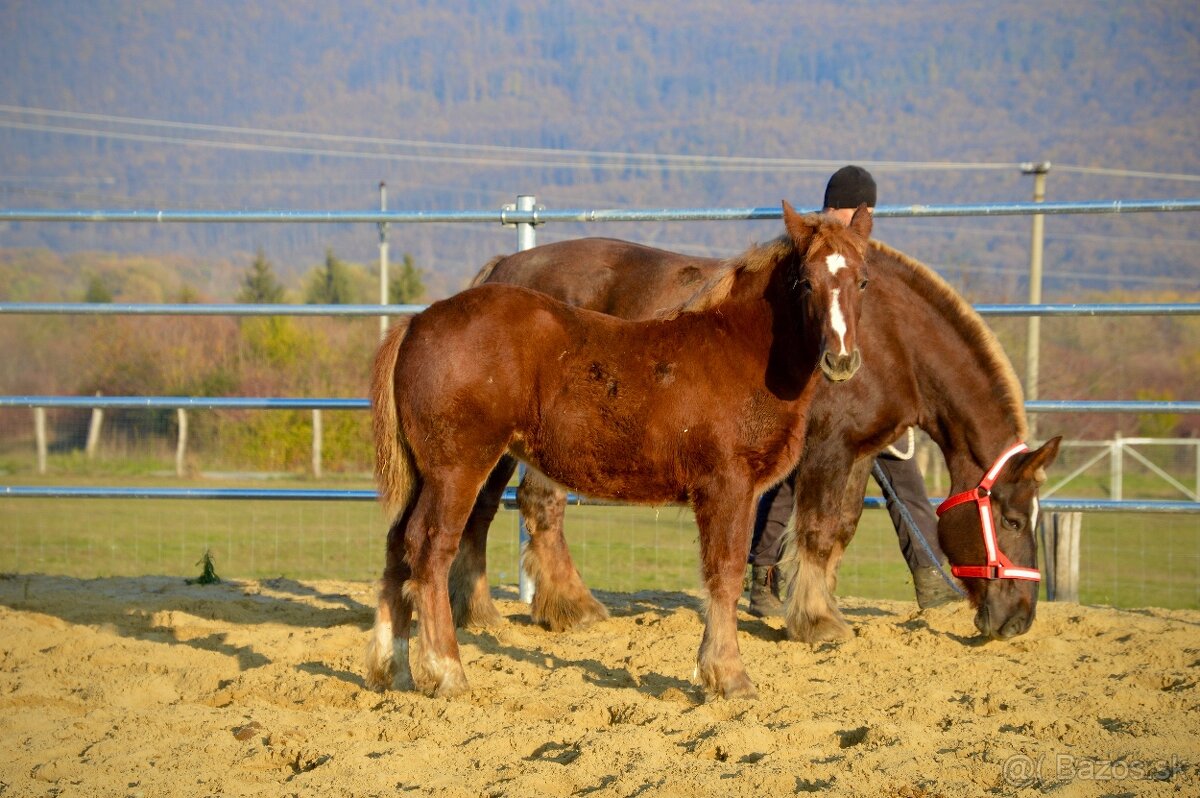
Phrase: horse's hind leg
(387, 649)
(430, 542)
(561, 601)
(470, 597)
(826, 514)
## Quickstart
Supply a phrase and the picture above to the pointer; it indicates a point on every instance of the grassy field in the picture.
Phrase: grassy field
(1127, 560)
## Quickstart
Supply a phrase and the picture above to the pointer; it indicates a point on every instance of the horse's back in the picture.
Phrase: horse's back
(607, 275)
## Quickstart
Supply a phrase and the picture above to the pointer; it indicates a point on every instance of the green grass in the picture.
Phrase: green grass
(1127, 560)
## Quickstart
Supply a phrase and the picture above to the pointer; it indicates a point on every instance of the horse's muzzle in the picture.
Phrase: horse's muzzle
(997, 629)
(839, 368)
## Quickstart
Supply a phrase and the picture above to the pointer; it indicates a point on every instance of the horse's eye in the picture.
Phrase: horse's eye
(1011, 523)
(805, 285)
(862, 285)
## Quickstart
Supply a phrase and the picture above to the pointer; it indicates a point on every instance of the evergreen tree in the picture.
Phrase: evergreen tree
(98, 291)
(407, 286)
(259, 286)
(330, 284)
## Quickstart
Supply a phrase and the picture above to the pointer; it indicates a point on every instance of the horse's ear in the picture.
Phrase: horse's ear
(863, 221)
(1034, 464)
(799, 227)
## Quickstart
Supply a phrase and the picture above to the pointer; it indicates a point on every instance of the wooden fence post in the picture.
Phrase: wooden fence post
(1060, 547)
(316, 443)
(181, 444)
(93, 436)
(39, 434)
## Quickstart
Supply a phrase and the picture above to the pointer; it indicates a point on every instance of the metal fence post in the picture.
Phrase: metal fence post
(526, 239)
(384, 281)
(1034, 334)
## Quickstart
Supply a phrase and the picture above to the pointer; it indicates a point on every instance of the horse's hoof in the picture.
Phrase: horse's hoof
(378, 681)
(381, 668)
(741, 688)
(451, 686)
(559, 614)
(479, 614)
(726, 685)
(821, 630)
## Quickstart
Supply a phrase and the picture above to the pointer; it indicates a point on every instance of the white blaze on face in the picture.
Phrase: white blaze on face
(1033, 519)
(838, 321)
(836, 263)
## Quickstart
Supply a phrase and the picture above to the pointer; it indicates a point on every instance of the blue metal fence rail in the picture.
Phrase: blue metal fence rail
(165, 309)
(327, 403)
(509, 497)
(537, 216)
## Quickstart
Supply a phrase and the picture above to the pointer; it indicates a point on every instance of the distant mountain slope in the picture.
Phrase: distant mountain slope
(1104, 84)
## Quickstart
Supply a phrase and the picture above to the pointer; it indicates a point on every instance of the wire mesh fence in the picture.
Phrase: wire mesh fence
(1128, 559)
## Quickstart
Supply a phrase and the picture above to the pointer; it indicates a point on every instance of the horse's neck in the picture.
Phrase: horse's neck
(967, 413)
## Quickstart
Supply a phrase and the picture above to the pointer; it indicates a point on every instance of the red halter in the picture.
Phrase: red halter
(998, 566)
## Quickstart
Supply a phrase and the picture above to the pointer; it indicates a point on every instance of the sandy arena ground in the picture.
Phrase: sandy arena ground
(151, 687)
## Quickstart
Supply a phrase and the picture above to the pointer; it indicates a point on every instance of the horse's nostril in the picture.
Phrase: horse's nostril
(983, 621)
(1015, 626)
(839, 367)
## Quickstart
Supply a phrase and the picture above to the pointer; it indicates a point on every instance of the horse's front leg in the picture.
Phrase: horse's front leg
(828, 504)
(470, 596)
(561, 600)
(724, 514)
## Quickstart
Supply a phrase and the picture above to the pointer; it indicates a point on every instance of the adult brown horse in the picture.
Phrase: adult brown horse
(928, 360)
(705, 406)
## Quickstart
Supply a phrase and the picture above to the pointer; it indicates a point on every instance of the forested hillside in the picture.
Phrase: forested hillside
(1085, 85)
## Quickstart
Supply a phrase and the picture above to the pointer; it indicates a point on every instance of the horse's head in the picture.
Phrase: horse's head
(828, 278)
(999, 567)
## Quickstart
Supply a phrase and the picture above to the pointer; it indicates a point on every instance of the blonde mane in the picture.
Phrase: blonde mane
(928, 284)
(717, 288)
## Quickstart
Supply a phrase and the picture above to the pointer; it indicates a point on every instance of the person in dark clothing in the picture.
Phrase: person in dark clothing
(848, 188)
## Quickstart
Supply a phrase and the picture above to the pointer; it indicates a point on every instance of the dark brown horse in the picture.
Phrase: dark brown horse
(928, 360)
(705, 406)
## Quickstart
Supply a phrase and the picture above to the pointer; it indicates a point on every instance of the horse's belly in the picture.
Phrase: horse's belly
(627, 464)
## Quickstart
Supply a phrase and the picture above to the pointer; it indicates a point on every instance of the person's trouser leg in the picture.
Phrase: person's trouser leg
(909, 487)
(766, 547)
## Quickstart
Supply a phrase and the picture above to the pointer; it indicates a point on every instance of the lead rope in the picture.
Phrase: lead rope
(911, 523)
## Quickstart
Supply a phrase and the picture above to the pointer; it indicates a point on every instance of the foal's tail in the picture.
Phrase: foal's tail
(486, 271)
(395, 473)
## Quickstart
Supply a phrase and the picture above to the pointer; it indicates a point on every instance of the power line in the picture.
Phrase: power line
(623, 159)
(1097, 170)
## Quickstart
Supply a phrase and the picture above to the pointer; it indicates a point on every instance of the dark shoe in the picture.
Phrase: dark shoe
(932, 590)
(763, 599)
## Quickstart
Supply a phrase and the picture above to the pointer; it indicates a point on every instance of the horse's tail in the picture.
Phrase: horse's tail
(395, 472)
(486, 271)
